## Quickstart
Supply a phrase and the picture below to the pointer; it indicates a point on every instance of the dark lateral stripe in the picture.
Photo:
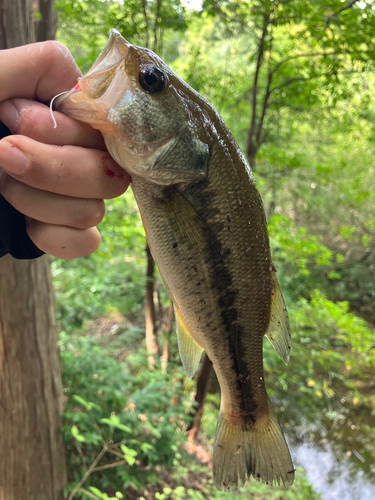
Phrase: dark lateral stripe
(200, 211)
(222, 283)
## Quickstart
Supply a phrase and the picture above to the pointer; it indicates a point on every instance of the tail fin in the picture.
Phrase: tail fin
(255, 450)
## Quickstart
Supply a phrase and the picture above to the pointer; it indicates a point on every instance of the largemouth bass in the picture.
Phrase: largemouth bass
(207, 231)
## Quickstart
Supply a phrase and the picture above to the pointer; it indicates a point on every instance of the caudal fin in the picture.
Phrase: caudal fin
(241, 451)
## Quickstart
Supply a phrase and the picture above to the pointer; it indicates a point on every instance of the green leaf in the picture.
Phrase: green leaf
(114, 421)
(88, 405)
(75, 433)
(97, 492)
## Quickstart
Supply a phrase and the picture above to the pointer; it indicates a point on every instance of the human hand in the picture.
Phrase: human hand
(58, 178)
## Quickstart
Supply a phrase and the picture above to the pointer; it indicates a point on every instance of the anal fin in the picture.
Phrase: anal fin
(278, 332)
(190, 351)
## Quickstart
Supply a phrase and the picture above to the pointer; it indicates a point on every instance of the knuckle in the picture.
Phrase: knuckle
(29, 118)
(55, 49)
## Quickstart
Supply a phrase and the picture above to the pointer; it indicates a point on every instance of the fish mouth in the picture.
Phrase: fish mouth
(102, 86)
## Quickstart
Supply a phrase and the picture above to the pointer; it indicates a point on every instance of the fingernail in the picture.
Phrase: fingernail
(9, 115)
(12, 159)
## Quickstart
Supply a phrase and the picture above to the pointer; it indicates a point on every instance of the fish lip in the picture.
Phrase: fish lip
(63, 97)
(115, 51)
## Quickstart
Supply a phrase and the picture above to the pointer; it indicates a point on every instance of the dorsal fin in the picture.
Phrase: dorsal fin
(190, 351)
(278, 332)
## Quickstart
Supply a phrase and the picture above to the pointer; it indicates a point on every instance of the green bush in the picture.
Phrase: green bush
(120, 418)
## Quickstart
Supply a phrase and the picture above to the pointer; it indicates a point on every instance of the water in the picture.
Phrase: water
(329, 478)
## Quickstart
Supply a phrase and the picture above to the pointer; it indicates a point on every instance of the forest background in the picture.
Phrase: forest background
(294, 81)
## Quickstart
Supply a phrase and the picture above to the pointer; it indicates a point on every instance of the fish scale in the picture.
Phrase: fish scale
(206, 228)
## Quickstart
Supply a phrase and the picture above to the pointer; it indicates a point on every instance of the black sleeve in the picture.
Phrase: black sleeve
(13, 236)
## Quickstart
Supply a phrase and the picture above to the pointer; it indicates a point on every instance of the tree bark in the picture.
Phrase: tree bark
(47, 24)
(200, 398)
(156, 25)
(145, 15)
(167, 330)
(252, 146)
(32, 458)
(17, 23)
(150, 315)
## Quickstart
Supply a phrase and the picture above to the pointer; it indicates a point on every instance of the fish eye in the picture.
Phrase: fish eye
(152, 79)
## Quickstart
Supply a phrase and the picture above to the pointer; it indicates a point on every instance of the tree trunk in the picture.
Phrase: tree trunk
(251, 154)
(32, 458)
(16, 23)
(200, 398)
(167, 330)
(47, 24)
(150, 315)
(156, 25)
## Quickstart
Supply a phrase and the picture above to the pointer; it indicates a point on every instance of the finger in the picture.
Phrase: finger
(63, 242)
(33, 119)
(51, 208)
(66, 170)
(37, 71)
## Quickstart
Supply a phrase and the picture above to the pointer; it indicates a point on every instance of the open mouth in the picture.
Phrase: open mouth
(102, 87)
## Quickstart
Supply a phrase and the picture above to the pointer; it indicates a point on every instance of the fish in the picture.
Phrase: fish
(206, 227)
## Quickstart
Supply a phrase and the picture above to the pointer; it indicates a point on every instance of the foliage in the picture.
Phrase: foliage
(112, 279)
(295, 52)
(297, 254)
(253, 489)
(119, 426)
(119, 412)
(331, 365)
(84, 25)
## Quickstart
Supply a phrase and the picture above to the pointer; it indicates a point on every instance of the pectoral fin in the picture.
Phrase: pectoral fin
(190, 351)
(278, 332)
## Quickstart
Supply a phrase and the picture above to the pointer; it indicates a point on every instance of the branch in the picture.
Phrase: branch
(266, 97)
(266, 132)
(300, 78)
(251, 147)
(281, 103)
(289, 81)
(97, 428)
(80, 453)
(307, 54)
(88, 472)
(346, 7)
(109, 466)
(256, 76)
(114, 452)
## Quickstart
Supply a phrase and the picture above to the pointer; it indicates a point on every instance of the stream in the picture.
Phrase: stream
(331, 479)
